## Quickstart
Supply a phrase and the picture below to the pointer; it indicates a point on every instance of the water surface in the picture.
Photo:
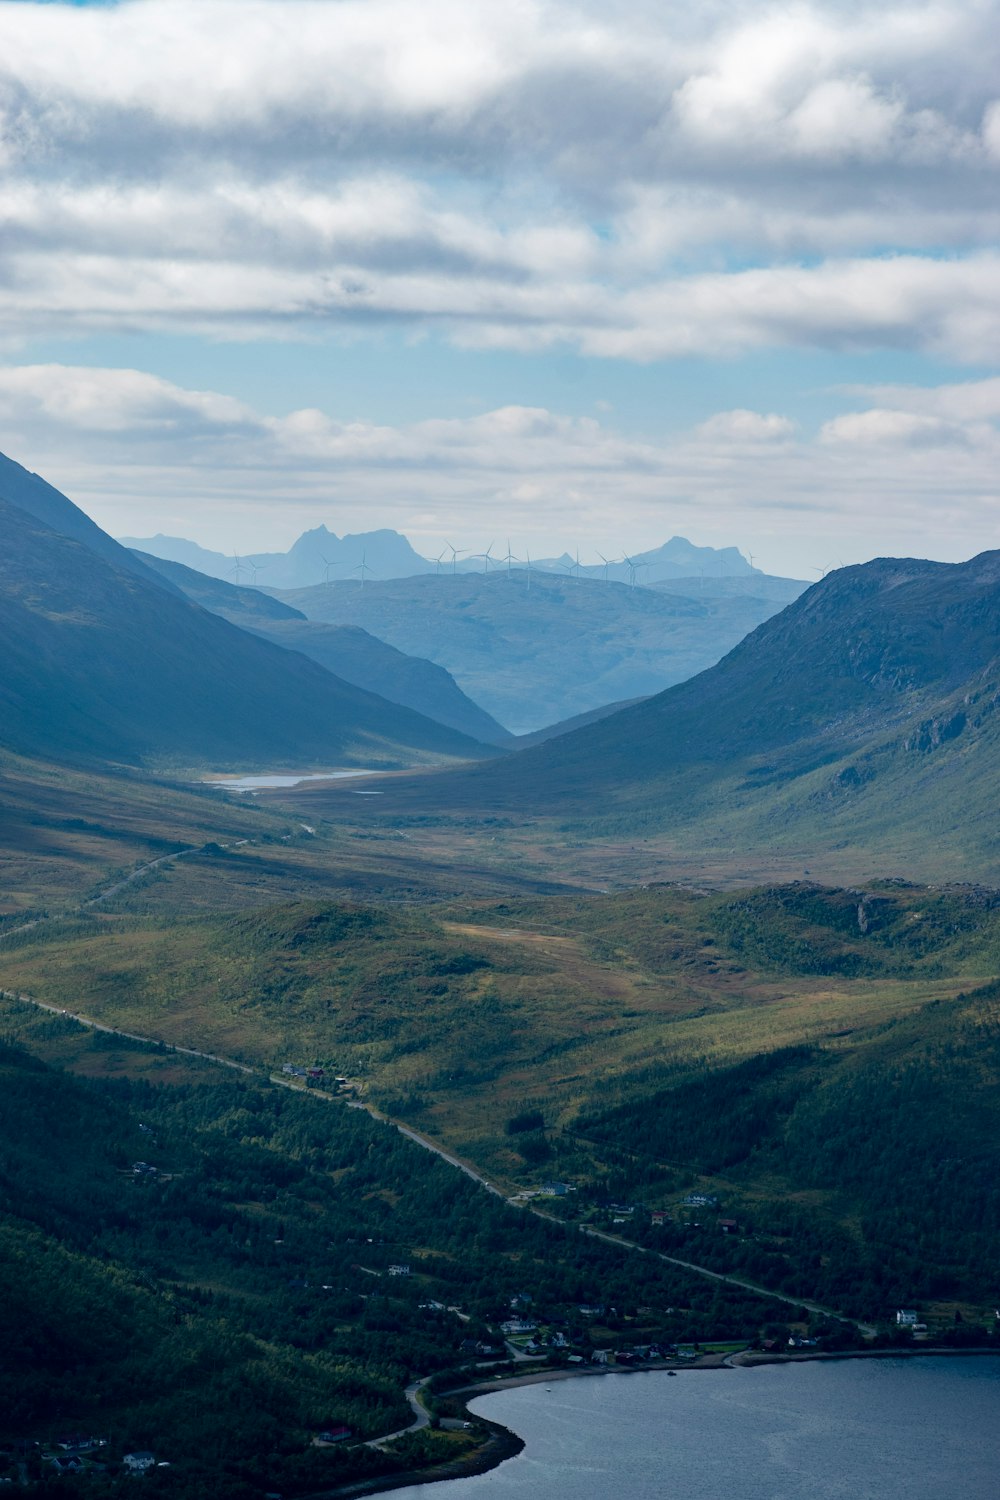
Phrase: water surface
(260, 783)
(885, 1429)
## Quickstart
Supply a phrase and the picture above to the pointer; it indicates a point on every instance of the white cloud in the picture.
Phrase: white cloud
(742, 426)
(516, 174)
(144, 455)
(892, 429)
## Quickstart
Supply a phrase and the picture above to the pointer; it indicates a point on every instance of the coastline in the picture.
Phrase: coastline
(503, 1443)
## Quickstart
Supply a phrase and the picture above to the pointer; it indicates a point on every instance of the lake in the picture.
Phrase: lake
(260, 783)
(879, 1429)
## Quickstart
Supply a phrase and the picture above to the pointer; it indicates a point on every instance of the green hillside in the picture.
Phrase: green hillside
(198, 1265)
(614, 1025)
(861, 719)
(99, 664)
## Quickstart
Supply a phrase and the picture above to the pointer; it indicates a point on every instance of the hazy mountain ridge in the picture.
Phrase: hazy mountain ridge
(103, 660)
(346, 650)
(316, 554)
(866, 711)
(320, 556)
(533, 651)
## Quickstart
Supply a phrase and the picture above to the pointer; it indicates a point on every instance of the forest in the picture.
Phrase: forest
(200, 1267)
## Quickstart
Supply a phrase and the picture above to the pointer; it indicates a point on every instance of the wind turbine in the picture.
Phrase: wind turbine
(363, 568)
(632, 566)
(573, 568)
(237, 567)
(608, 562)
(527, 559)
(328, 564)
(821, 571)
(437, 561)
(255, 568)
(509, 558)
(485, 557)
(456, 553)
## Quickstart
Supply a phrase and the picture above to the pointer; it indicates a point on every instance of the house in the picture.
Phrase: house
(314, 1072)
(518, 1325)
(143, 1169)
(907, 1318)
(729, 1226)
(591, 1309)
(658, 1216)
(78, 1443)
(400, 1270)
(556, 1189)
(333, 1432)
(700, 1200)
(140, 1461)
(68, 1465)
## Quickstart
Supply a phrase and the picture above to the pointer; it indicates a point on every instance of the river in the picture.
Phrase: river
(876, 1429)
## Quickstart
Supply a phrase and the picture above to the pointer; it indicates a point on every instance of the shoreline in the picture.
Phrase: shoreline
(503, 1444)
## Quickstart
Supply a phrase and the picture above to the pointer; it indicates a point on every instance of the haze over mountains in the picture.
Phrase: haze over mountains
(864, 715)
(104, 658)
(533, 650)
(347, 650)
(320, 556)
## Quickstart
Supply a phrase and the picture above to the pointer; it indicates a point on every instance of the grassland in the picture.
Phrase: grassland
(552, 1036)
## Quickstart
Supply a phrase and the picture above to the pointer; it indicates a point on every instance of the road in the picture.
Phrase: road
(420, 1415)
(452, 1161)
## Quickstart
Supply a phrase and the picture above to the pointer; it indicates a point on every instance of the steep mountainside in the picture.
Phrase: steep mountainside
(346, 650)
(864, 716)
(99, 663)
(534, 649)
(29, 492)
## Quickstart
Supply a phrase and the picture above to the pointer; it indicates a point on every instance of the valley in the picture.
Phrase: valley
(400, 1053)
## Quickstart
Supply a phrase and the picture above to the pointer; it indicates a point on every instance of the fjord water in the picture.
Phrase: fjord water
(881, 1429)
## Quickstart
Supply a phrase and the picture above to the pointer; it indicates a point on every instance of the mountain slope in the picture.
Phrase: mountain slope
(540, 648)
(864, 717)
(346, 650)
(99, 663)
(30, 493)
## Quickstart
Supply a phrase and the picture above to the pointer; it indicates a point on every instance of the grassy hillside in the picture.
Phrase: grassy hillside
(98, 663)
(602, 1016)
(534, 653)
(860, 722)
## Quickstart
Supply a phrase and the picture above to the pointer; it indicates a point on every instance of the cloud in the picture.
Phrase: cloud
(902, 429)
(741, 426)
(511, 174)
(144, 455)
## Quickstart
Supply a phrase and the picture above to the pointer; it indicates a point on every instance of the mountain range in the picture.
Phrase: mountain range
(864, 715)
(320, 556)
(346, 650)
(539, 648)
(104, 658)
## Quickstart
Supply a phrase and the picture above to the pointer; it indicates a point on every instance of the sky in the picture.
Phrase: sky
(472, 268)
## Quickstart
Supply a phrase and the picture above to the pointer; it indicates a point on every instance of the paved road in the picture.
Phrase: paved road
(457, 1163)
(131, 1036)
(749, 1286)
(421, 1417)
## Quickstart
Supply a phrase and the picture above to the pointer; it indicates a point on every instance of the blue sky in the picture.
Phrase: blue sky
(730, 272)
